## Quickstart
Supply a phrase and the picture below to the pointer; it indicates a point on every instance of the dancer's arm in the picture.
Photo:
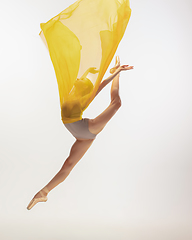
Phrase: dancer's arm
(108, 80)
(92, 70)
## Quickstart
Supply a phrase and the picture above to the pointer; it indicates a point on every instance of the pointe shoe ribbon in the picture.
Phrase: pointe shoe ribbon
(36, 200)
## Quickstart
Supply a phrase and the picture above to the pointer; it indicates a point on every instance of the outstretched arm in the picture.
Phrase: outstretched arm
(108, 80)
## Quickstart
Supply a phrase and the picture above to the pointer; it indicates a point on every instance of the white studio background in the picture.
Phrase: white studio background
(135, 180)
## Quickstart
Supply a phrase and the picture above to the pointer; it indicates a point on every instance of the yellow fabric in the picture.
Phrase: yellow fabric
(82, 41)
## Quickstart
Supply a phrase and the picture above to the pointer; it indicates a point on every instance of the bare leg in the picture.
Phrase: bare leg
(97, 124)
(78, 149)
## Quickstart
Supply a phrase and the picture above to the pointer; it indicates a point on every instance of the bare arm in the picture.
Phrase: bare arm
(108, 80)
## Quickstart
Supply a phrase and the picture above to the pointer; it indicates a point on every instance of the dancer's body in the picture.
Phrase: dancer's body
(87, 136)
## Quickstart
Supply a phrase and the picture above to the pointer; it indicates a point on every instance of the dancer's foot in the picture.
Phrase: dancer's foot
(117, 64)
(41, 196)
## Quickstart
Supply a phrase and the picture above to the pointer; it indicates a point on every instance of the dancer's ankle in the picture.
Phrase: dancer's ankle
(45, 190)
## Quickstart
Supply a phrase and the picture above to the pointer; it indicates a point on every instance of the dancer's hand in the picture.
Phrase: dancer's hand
(125, 67)
(89, 70)
(93, 70)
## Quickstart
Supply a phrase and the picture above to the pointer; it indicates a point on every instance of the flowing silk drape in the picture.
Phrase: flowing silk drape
(82, 41)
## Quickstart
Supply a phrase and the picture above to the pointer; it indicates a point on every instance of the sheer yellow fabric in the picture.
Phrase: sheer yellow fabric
(82, 41)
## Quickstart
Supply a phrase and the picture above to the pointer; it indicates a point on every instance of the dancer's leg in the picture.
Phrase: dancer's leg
(97, 124)
(78, 149)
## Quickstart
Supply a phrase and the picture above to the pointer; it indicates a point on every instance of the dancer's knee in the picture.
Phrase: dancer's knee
(68, 165)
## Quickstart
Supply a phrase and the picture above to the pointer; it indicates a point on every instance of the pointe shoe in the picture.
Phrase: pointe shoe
(117, 64)
(36, 200)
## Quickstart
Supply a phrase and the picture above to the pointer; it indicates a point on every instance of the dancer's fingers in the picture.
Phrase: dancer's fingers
(126, 67)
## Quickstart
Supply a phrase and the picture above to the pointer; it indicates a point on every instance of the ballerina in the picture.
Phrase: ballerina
(85, 131)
